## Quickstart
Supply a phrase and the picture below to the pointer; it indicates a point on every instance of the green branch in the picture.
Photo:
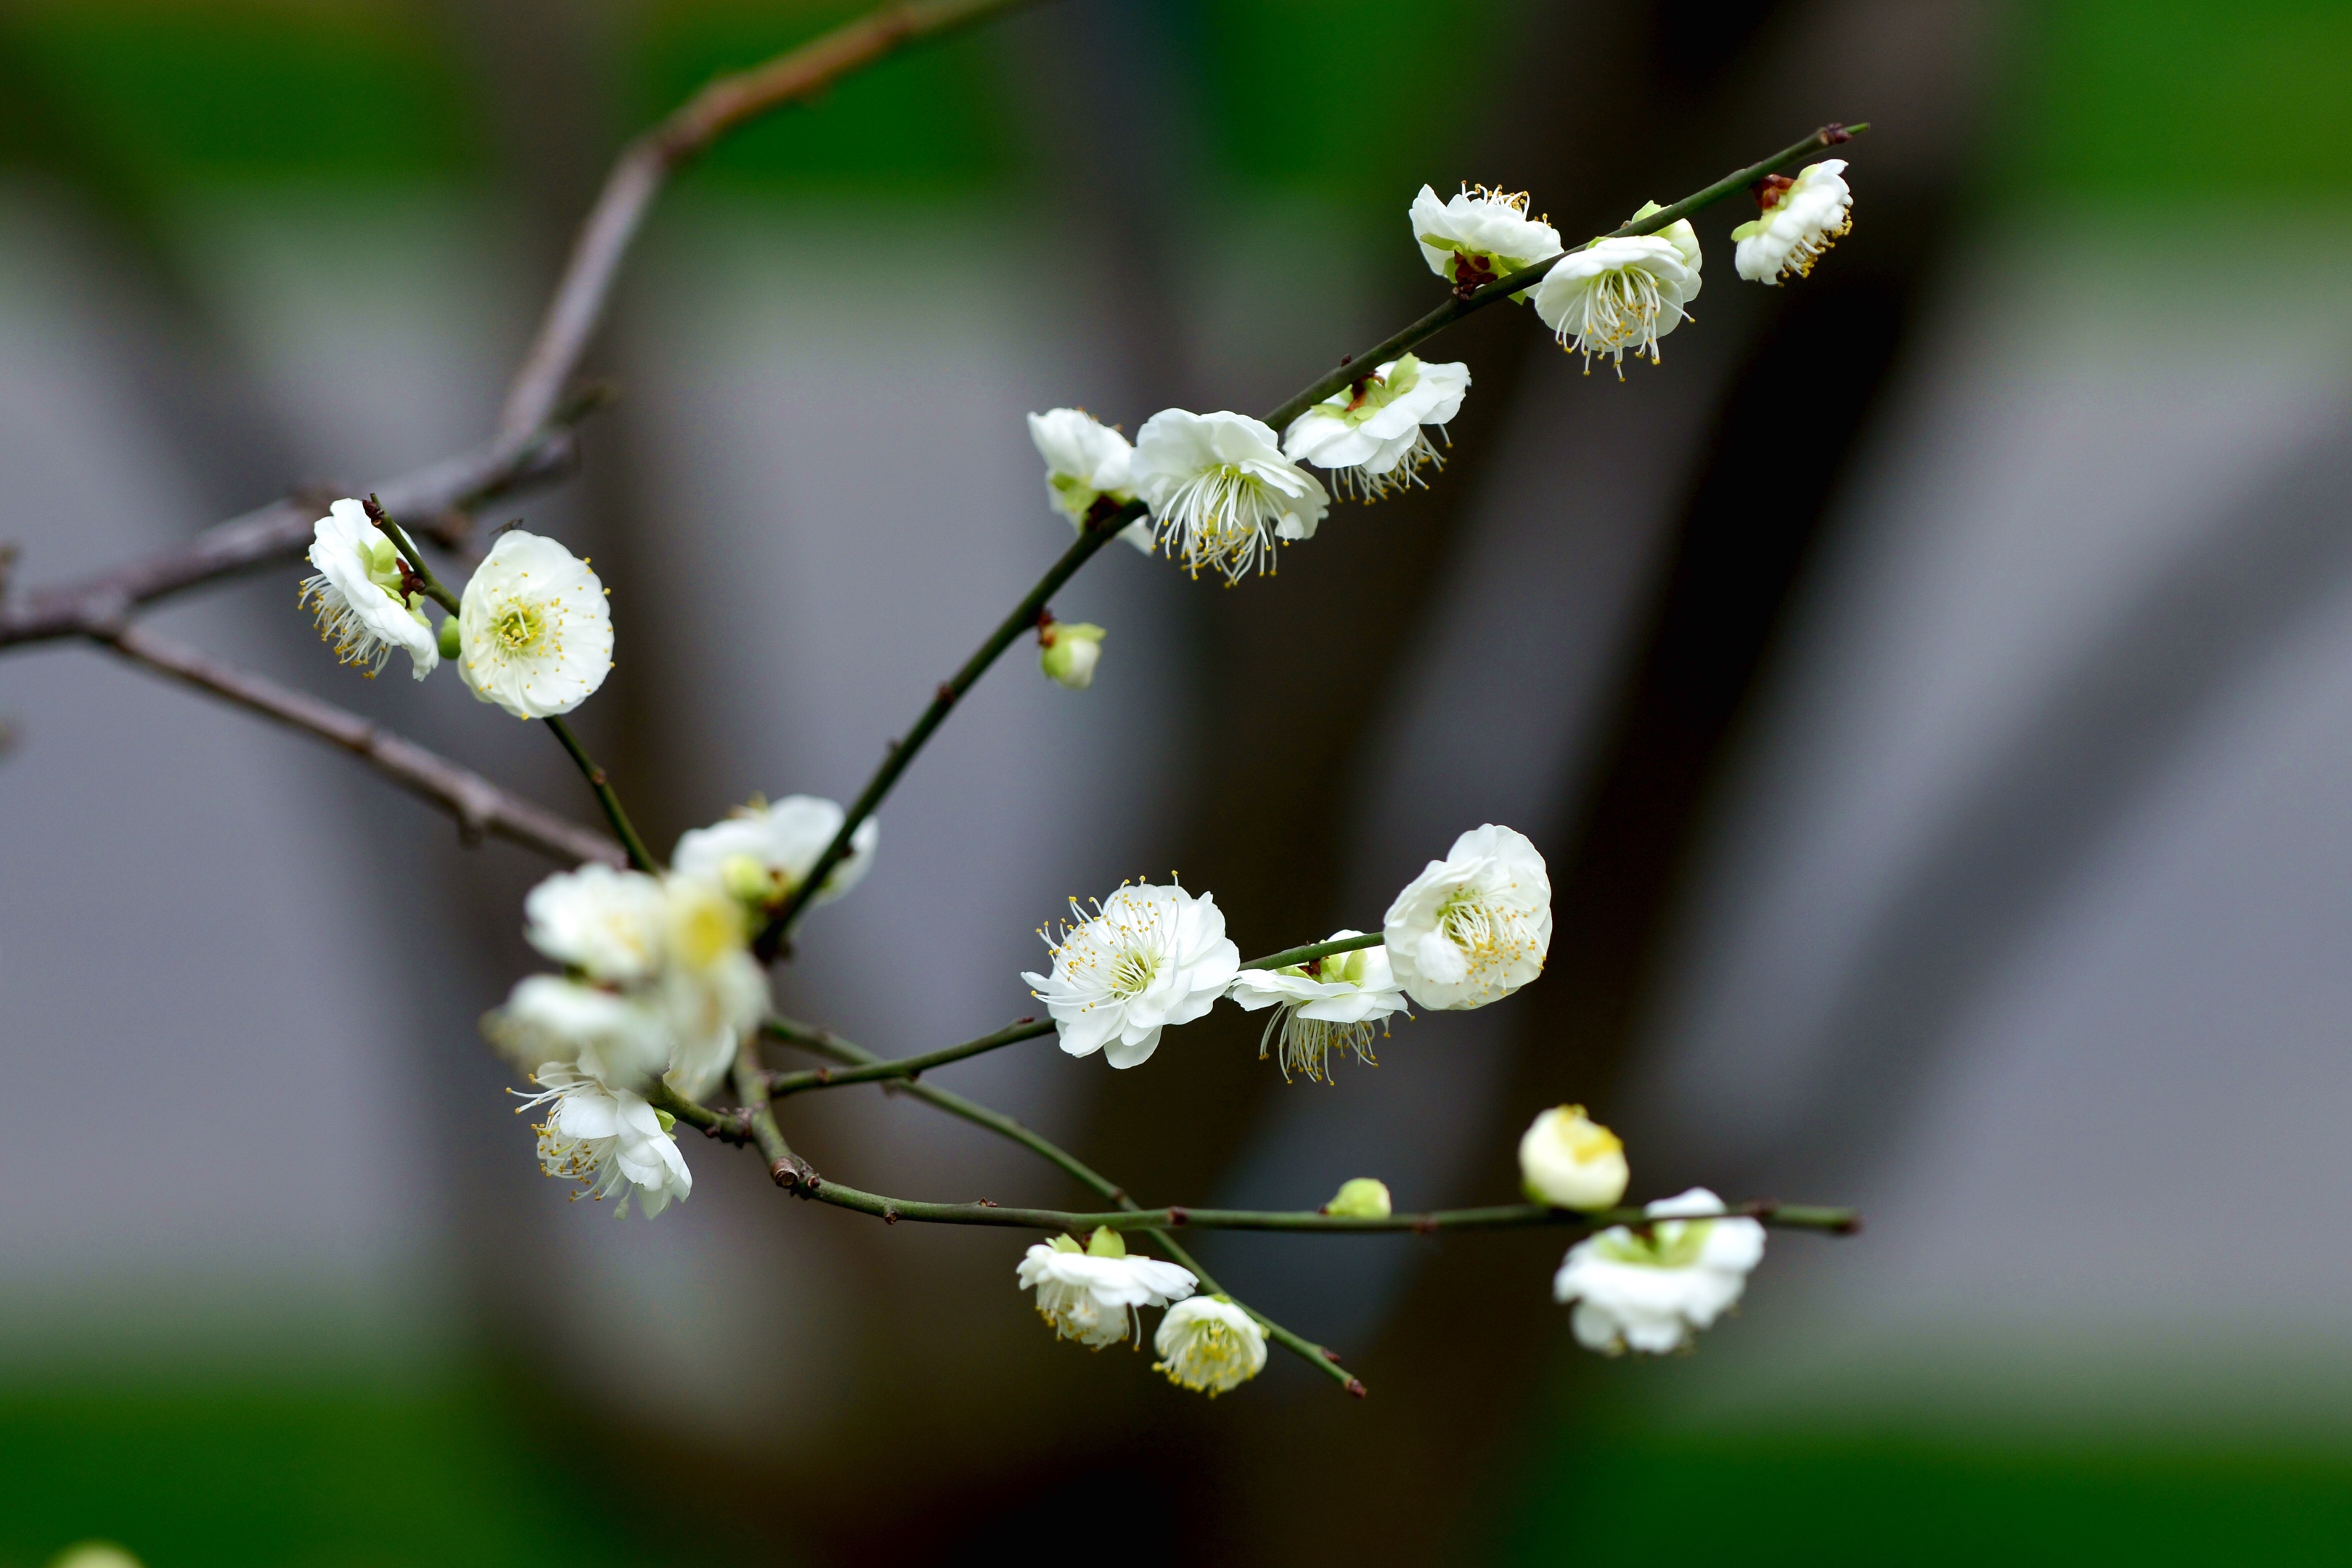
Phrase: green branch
(639, 855)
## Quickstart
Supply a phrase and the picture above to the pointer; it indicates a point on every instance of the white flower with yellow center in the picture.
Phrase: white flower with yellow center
(535, 633)
(1147, 958)
(1473, 926)
(1372, 433)
(1221, 492)
(356, 595)
(1479, 236)
(608, 1140)
(1571, 1162)
(1329, 1003)
(1620, 294)
(762, 852)
(1802, 218)
(712, 991)
(605, 924)
(1086, 461)
(1089, 1294)
(621, 1041)
(1651, 1290)
(1208, 1343)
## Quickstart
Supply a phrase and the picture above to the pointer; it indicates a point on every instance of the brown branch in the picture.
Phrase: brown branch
(281, 530)
(646, 166)
(480, 806)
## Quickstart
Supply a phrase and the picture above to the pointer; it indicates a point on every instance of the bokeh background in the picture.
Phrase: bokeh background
(1932, 688)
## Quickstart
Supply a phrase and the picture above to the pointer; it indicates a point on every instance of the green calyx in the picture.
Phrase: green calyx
(1106, 1243)
(1334, 969)
(1668, 1244)
(1375, 392)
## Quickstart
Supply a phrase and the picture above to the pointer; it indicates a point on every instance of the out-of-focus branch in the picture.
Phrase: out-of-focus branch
(1100, 528)
(434, 499)
(479, 806)
(646, 166)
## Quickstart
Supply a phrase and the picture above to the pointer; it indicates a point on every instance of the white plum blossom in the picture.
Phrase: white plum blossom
(1473, 926)
(1328, 1002)
(534, 632)
(1620, 294)
(1068, 651)
(1802, 218)
(608, 1140)
(1221, 492)
(1089, 1294)
(1207, 1344)
(1372, 433)
(1086, 461)
(603, 923)
(762, 852)
(1651, 1289)
(1571, 1162)
(1147, 957)
(356, 597)
(712, 990)
(621, 1041)
(1480, 235)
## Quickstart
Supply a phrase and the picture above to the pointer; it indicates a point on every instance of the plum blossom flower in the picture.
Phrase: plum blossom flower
(608, 1140)
(356, 595)
(1147, 957)
(1372, 433)
(1086, 461)
(1620, 294)
(548, 1021)
(1089, 1294)
(1326, 1003)
(1068, 651)
(1473, 926)
(1802, 218)
(1480, 235)
(1206, 1342)
(712, 990)
(533, 628)
(762, 852)
(1221, 492)
(603, 923)
(1571, 1162)
(1653, 1290)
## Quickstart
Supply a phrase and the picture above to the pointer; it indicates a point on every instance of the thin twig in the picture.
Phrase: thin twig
(825, 1043)
(480, 806)
(639, 855)
(646, 166)
(281, 530)
(1100, 529)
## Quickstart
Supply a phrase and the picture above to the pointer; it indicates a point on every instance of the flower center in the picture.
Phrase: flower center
(518, 627)
(1134, 971)
(1487, 935)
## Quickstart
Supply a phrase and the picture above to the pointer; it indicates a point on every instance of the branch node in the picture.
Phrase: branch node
(1356, 1386)
(889, 1215)
(1836, 133)
(1426, 1224)
(946, 692)
(1177, 1215)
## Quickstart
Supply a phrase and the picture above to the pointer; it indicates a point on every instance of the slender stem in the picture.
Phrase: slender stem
(434, 589)
(639, 856)
(1350, 369)
(1025, 615)
(1313, 951)
(1022, 620)
(825, 1043)
(480, 806)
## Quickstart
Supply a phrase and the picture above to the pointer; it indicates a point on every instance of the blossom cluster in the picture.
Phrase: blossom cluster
(659, 985)
(1222, 491)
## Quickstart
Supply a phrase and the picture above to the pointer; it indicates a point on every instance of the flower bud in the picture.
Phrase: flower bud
(450, 643)
(746, 878)
(1362, 1198)
(1570, 1162)
(1069, 651)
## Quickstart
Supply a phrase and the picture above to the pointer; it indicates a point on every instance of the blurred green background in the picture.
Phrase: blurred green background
(2158, 109)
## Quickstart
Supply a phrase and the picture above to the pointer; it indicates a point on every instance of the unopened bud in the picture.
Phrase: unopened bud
(743, 876)
(1570, 1162)
(1068, 651)
(1362, 1198)
(450, 644)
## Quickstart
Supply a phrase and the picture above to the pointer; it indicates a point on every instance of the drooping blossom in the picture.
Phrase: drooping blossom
(1086, 461)
(1327, 1004)
(1221, 492)
(1802, 218)
(1209, 1344)
(608, 1140)
(1620, 294)
(1089, 1294)
(356, 596)
(1374, 434)
(1651, 1289)
(1479, 236)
